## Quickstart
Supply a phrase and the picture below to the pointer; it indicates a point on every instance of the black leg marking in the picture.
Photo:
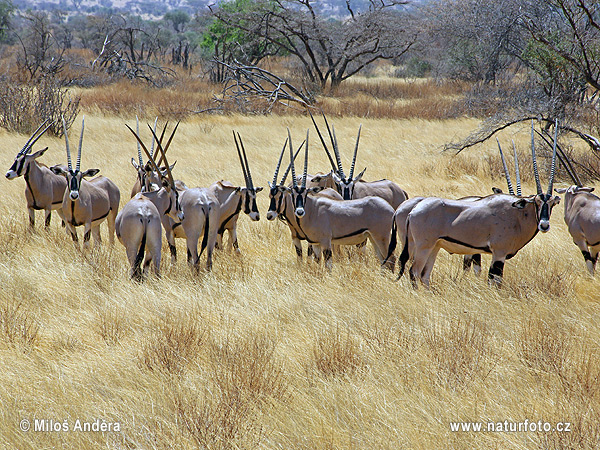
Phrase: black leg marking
(173, 251)
(47, 223)
(496, 270)
(31, 222)
(86, 236)
(413, 279)
(74, 236)
(467, 260)
(587, 256)
(236, 245)
(310, 252)
(298, 251)
(327, 254)
(189, 256)
(476, 260)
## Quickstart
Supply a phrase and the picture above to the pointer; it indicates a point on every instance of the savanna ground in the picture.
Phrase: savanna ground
(264, 352)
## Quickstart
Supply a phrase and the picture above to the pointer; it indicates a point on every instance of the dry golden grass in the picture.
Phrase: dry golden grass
(265, 353)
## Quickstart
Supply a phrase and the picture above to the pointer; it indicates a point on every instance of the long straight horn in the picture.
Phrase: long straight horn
(323, 142)
(553, 165)
(246, 162)
(517, 173)
(337, 155)
(237, 146)
(139, 147)
(287, 171)
(153, 137)
(279, 162)
(166, 147)
(80, 144)
(355, 152)
(305, 161)
(67, 145)
(29, 142)
(163, 158)
(150, 158)
(511, 191)
(294, 183)
(535, 168)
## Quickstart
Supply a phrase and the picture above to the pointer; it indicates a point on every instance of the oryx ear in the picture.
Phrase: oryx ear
(134, 164)
(172, 165)
(560, 190)
(496, 190)
(556, 199)
(58, 170)
(238, 189)
(586, 189)
(317, 178)
(39, 153)
(521, 203)
(359, 176)
(315, 190)
(258, 189)
(90, 173)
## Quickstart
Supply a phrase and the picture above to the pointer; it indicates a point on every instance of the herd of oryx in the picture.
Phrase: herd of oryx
(326, 209)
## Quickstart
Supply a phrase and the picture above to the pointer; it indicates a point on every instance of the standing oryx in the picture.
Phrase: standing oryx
(87, 203)
(499, 224)
(352, 187)
(232, 198)
(138, 225)
(44, 190)
(323, 221)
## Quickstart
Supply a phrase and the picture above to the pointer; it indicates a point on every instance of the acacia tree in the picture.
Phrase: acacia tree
(329, 50)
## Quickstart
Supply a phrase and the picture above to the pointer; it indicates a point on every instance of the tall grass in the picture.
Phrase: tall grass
(264, 352)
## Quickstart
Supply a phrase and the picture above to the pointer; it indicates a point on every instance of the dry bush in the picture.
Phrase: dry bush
(581, 376)
(460, 349)
(16, 326)
(544, 346)
(25, 106)
(173, 343)
(392, 337)
(399, 89)
(112, 325)
(337, 354)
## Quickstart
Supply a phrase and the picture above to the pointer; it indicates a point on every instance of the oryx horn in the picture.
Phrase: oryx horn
(31, 140)
(287, 171)
(511, 191)
(337, 155)
(163, 155)
(323, 142)
(279, 162)
(78, 166)
(553, 164)
(153, 140)
(166, 147)
(517, 173)
(294, 183)
(69, 164)
(355, 152)
(535, 168)
(246, 162)
(237, 146)
(139, 148)
(305, 161)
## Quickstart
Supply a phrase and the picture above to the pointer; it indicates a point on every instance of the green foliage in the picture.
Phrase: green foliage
(6, 11)
(179, 19)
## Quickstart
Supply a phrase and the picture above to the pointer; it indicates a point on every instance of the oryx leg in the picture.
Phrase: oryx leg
(70, 229)
(316, 252)
(381, 248)
(192, 249)
(87, 234)
(172, 247)
(477, 264)
(96, 235)
(62, 217)
(48, 218)
(496, 271)
(153, 246)
(31, 212)
(298, 246)
(213, 225)
(426, 274)
(594, 255)
(233, 240)
(310, 252)
(110, 220)
(327, 254)
(421, 258)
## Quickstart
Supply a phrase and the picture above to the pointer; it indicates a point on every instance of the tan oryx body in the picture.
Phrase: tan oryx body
(87, 203)
(322, 221)
(138, 225)
(500, 224)
(582, 216)
(234, 199)
(43, 189)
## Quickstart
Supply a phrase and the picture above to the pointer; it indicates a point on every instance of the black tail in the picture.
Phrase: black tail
(136, 273)
(205, 237)
(393, 242)
(404, 256)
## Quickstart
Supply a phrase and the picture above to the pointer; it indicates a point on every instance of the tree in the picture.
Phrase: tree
(329, 50)
(6, 11)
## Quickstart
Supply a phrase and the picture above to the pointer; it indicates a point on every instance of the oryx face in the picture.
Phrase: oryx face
(277, 197)
(299, 194)
(249, 199)
(74, 178)
(543, 208)
(21, 163)
(346, 186)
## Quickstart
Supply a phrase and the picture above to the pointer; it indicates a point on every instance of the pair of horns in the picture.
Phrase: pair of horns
(552, 165)
(506, 174)
(333, 138)
(287, 171)
(139, 148)
(293, 157)
(34, 137)
(564, 160)
(160, 148)
(243, 160)
(78, 165)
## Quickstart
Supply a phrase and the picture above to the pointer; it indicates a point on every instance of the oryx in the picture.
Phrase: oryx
(233, 198)
(352, 187)
(500, 224)
(44, 190)
(87, 203)
(138, 225)
(323, 222)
